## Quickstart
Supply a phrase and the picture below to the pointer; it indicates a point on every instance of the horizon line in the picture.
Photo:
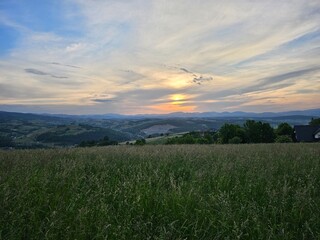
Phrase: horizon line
(161, 114)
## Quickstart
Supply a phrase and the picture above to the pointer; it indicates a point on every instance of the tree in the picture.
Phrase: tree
(267, 133)
(258, 132)
(140, 142)
(252, 134)
(285, 133)
(208, 137)
(284, 129)
(314, 122)
(229, 131)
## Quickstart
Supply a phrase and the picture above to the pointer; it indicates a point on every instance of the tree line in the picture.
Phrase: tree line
(255, 132)
(99, 143)
(251, 132)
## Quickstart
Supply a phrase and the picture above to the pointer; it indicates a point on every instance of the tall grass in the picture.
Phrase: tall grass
(269, 191)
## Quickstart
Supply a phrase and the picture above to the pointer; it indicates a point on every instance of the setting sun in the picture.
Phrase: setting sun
(177, 97)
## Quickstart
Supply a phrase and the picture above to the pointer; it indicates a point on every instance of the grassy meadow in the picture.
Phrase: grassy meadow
(262, 191)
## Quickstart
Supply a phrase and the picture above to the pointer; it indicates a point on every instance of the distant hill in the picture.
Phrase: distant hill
(309, 113)
(7, 116)
(47, 130)
(25, 130)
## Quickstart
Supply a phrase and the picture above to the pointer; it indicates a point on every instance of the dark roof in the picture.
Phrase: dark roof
(305, 133)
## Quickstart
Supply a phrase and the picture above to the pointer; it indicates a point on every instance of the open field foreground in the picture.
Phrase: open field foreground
(265, 191)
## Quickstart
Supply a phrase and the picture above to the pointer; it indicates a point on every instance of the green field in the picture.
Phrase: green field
(263, 191)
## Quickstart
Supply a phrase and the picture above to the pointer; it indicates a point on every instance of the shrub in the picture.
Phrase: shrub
(284, 139)
(140, 142)
(235, 140)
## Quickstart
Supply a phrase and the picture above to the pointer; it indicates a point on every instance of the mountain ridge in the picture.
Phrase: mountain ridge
(213, 114)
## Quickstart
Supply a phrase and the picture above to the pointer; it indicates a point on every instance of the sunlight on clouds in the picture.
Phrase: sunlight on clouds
(177, 82)
(173, 103)
(165, 56)
(180, 99)
(44, 101)
(177, 97)
(170, 79)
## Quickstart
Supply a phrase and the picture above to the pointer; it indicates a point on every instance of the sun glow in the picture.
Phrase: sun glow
(167, 108)
(175, 103)
(177, 97)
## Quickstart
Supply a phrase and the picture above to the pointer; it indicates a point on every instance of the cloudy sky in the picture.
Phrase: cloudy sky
(159, 56)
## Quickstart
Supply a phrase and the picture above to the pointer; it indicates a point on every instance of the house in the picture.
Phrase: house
(307, 133)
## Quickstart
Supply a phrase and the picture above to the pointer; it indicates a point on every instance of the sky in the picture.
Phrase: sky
(159, 56)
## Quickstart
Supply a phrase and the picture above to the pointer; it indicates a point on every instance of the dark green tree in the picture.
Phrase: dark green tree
(258, 132)
(208, 137)
(284, 129)
(229, 131)
(252, 133)
(140, 142)
(314, 121)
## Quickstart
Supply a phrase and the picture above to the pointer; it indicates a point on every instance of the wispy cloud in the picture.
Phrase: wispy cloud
(220, 55)
(66, 65)
(38, 72)
(279, 81)
(101, 100)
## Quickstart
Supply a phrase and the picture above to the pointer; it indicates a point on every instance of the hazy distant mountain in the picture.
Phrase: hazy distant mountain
(309, 113)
